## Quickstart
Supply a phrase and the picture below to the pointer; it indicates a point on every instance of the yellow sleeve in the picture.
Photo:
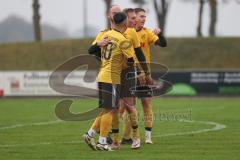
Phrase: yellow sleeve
(152, 38)
(126, 48)
(98, 38)
(135, 39)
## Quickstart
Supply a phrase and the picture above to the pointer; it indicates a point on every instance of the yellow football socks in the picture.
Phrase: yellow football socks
(106, 123)
(134, 124)
(115, 127)
(148, 117)
(127, 126)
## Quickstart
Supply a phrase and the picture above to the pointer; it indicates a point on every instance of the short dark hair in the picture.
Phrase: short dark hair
(119, 17)
(137, 10)
(128, 10)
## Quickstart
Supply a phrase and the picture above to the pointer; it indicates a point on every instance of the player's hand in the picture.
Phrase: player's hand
(105, 41)
(156, 31)
(142, 79)
(149, 80)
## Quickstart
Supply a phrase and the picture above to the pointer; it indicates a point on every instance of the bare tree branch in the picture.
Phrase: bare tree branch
(108, 5)
(161, 10)
(139, 2)
(36, 20)
(213, 17)
(199, 27)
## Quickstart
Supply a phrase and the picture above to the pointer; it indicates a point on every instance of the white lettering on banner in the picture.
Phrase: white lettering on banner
(227, 78)
(232, 78)
(204, 78)
(36, 83)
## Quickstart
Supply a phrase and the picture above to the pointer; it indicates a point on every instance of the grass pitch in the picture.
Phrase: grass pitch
(29, 129)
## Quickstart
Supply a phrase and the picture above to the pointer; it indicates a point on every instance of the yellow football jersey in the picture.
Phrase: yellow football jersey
(100, 36)
(132, 35)
(112, 57)
(147, 37)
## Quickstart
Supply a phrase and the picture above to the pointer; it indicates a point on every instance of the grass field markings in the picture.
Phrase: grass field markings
(217, 127)
(211, 108)
(37, 144)
(193, 108)
(30, 124)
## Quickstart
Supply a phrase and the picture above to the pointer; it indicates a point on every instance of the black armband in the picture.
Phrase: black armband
(130, 62)
(139, 54)
(161, 40)
(95, 50)
(141, 58)
(138, 70)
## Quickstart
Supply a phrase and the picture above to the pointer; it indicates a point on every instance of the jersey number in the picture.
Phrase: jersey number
(107, 51)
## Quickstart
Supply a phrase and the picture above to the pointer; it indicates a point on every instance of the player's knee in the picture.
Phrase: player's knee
(129, 101)
(130, 109)
(145, 102)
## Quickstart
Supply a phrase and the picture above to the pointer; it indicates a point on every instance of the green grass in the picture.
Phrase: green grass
(181, 53)
(62, 140)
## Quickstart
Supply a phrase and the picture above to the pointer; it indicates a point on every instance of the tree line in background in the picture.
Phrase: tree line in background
(161, 8)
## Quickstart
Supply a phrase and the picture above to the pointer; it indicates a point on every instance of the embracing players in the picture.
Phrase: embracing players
(147, 37)
(101, 47)
(113, 53)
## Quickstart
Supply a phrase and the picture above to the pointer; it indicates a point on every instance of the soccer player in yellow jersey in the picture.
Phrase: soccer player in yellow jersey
(109, 79)
(127, 96)
(147, 37)
(130, 34)
(128, 83)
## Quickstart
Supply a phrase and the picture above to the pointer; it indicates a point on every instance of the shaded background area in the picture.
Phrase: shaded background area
(61, 19)
(181, 53)
(203, 40)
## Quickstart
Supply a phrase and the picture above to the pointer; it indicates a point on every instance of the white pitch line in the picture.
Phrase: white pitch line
(38, 144)
(30, 124)
(217, 127)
